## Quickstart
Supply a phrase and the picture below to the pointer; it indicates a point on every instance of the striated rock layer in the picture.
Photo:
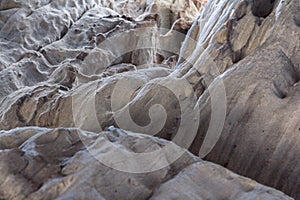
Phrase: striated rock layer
(229, 92)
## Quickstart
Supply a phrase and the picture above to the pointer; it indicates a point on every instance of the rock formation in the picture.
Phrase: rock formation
(40, 163)
(220, 81)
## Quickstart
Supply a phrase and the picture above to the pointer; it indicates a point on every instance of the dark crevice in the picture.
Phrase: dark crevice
(81, 56)
(240, 54)
(29, 13)
(237, 56)
(64, 32)
(20, 103)
(241, 10)
(295, 71)
(278, 91)
(43, 52)
(262, 8)
(11, 6)
(297, 18)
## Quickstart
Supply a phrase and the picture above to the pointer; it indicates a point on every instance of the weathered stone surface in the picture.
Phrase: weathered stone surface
(260, 134)
(39, 37)
(39, 163)
(61, 63)
(208, 181)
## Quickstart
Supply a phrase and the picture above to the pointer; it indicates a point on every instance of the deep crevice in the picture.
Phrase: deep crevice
(262, 8)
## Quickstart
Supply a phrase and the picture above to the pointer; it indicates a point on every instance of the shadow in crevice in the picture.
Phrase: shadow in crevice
(262, 8)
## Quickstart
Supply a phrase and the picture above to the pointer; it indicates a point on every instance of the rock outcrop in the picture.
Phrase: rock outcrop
(221, 82)
(40, 163)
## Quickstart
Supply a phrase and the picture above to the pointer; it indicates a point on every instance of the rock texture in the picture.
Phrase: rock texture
(260, 137)
(70, 63)
(40, 163)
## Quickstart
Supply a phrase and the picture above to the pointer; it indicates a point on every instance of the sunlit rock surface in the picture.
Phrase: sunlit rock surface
(69, 64)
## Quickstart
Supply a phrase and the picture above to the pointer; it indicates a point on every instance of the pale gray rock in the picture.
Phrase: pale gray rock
(259, 138)
(208, 181)
(60, 65)
(55, 164)
(39, 37)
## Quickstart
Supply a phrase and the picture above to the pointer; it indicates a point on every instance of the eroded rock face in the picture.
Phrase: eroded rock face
(261, 95)
(92, 64)
(40, 163)
(47, 36)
